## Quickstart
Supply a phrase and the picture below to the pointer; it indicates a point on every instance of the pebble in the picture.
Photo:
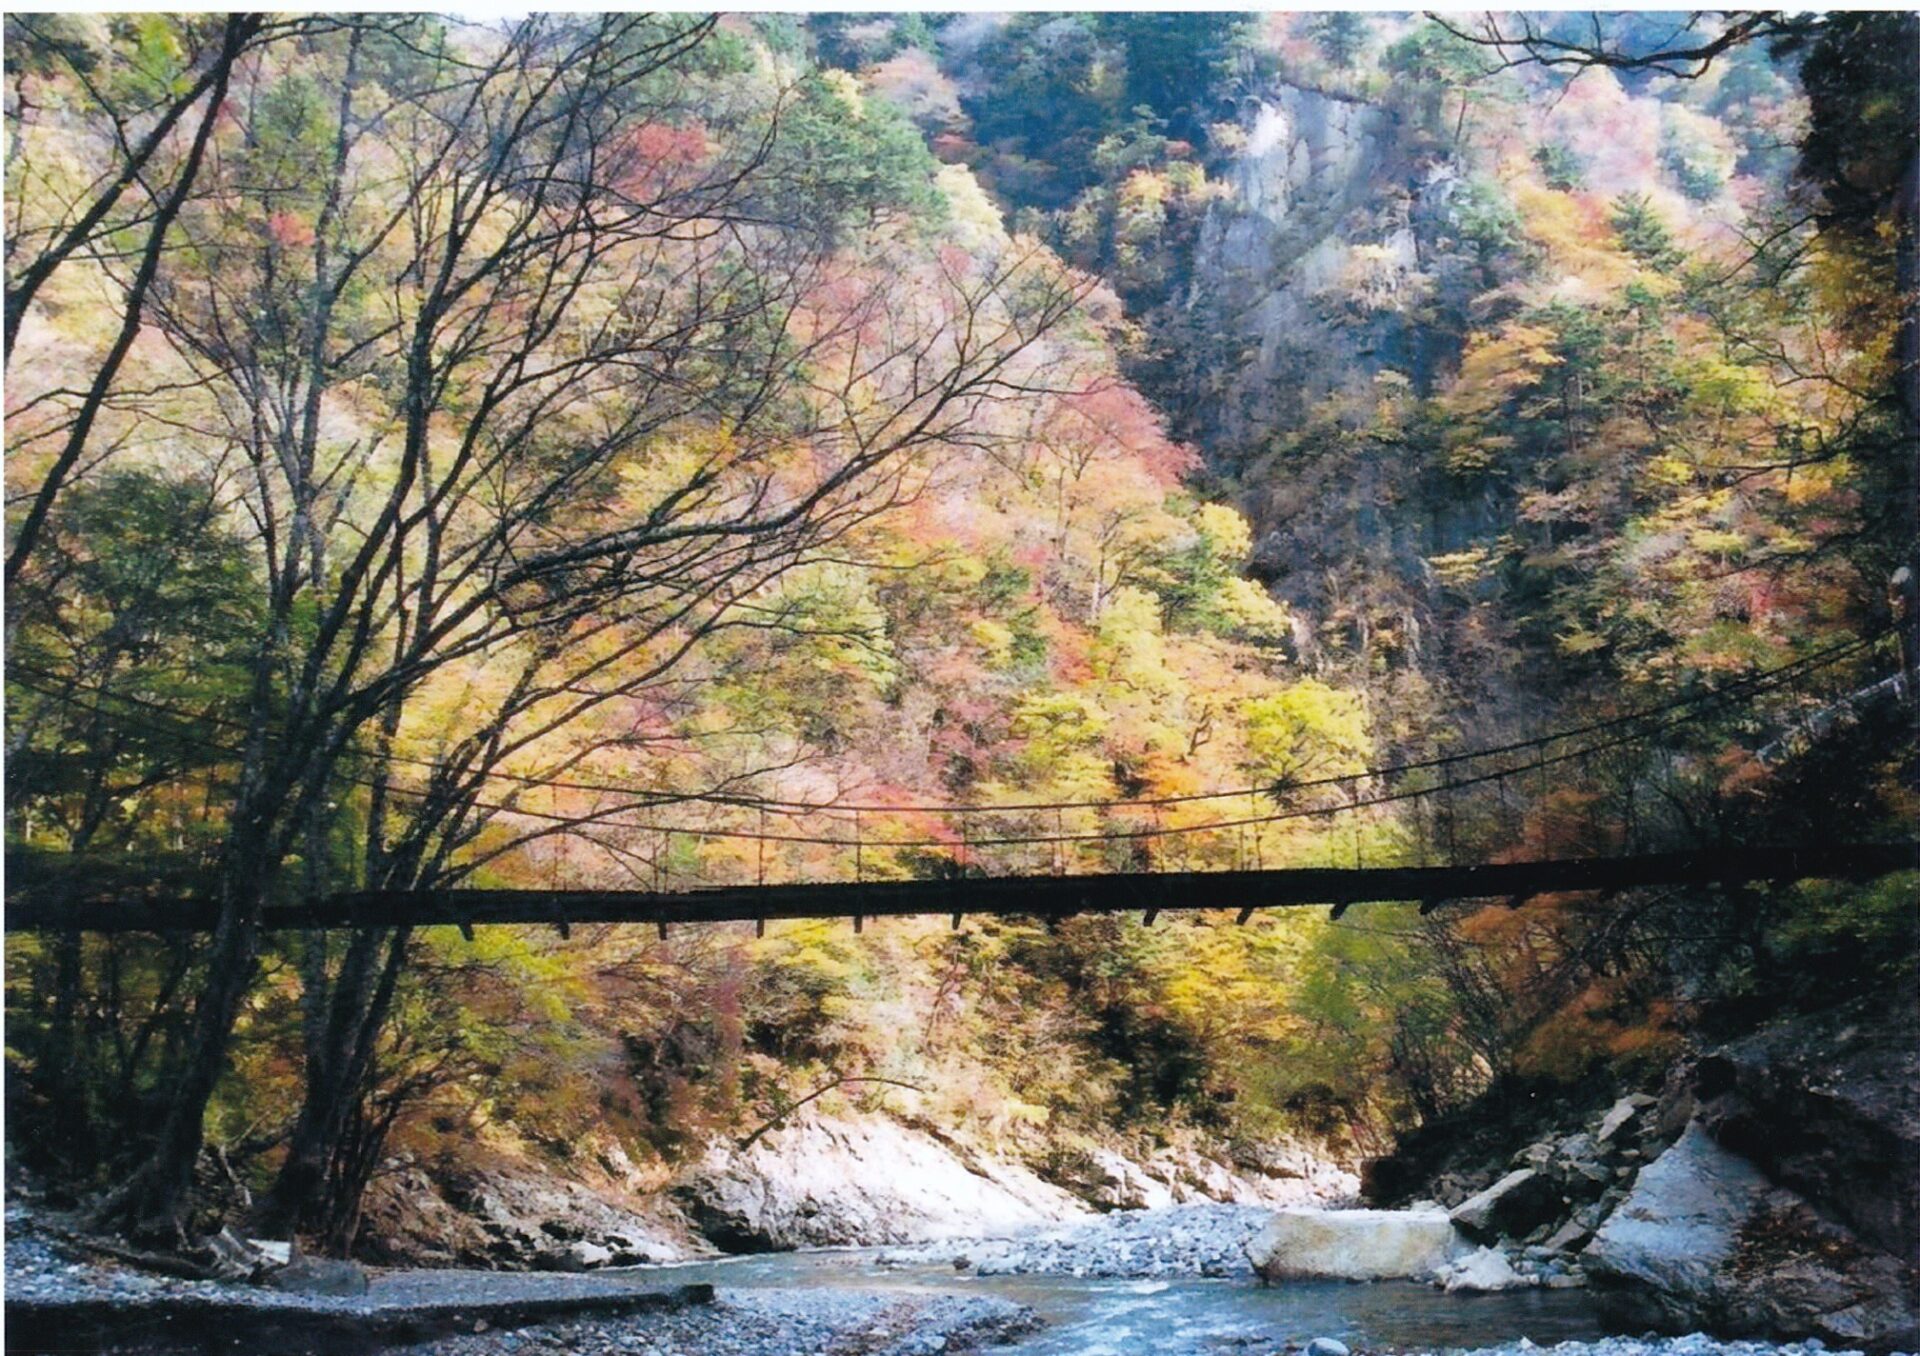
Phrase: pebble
(746, 1322)
(1202, 1239)
(772, 1322)
(1695, 1344)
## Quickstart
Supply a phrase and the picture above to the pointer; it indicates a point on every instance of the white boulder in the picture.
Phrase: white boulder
(1354, 1245)
(1485, 1270)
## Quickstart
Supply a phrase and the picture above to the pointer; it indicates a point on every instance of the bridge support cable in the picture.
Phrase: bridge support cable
(47, 906)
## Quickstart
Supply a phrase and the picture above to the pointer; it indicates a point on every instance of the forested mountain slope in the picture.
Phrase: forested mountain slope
(607, 451)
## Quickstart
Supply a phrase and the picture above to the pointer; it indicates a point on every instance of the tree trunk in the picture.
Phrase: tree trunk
(61, 1074)
(1906, 583)
(340, 1053)
(153, 1202)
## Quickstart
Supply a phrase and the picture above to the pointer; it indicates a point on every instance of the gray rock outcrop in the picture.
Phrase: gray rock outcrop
(516, 1217)
(822, 1182)
(1706, 1240)
(1829, 1106)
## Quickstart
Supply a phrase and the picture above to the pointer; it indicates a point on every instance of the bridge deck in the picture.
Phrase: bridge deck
(1047, 896)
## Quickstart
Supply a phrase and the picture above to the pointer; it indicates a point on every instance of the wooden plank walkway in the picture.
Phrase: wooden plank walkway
(1043, 896)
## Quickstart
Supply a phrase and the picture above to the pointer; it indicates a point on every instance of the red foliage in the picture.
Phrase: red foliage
(289, 229)
(657, 156)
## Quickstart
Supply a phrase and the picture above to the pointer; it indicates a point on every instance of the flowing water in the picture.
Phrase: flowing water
(1185, 1316)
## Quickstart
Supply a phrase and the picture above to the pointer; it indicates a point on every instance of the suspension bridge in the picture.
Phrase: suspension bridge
(1457, 821)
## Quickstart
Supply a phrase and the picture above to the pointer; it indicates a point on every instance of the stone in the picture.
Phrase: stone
(1512, 1207)
(1829, 1106)
(233, 1258)
(1619, 1114)
(1569, 1237)
(1327, 1346)
(1533, 1156)
(586, 1256)
(1483, 1271)
(277, 1252)
(1577, 1167)
(319, 1276)
(577, 1257)
(1354, 1245)
(1681, 1221)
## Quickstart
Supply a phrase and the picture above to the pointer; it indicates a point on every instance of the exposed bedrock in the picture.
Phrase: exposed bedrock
(1707, 1240)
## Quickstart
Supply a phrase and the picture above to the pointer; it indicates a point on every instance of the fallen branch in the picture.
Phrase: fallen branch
(167, 1264)
(820, 1091)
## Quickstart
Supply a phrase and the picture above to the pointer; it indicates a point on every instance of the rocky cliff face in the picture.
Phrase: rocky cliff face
(820, 1182)
(824, 1181)
(1312, 182)
(1335, 274)
(817, 1181)
(1829, 1106)
(1770, 1191)
(1707, 1240)
(1789, 1206)
(515, 1216)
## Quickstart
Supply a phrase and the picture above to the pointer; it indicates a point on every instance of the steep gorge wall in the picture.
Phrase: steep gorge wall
(1314, 172)
(1333, 275)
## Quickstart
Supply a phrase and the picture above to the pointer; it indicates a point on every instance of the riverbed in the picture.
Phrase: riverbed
(1181, 1316)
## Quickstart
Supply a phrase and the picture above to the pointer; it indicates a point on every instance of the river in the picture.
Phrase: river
(1188, 1316)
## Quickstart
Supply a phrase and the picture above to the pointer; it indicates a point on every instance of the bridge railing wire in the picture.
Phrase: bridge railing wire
(1434, 787)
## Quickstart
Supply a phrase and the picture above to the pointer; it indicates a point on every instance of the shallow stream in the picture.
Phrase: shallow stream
(1187, 1316)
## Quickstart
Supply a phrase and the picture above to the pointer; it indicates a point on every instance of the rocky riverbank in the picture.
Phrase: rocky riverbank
(817, 1181)
(769, 1323)
(1181, 1240)
(1772, 1187)
(60, 1298)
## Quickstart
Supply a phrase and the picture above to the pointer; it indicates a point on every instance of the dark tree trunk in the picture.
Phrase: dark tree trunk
(346, 1028)
(153, 1202)
(1906, 582)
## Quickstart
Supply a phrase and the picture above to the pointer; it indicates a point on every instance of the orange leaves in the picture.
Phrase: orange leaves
(1741, 774)
(1604, 1020)
(289, 229)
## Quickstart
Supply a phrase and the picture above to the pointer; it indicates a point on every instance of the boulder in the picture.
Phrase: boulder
(232, 1258)
(1479, 1272)
(1579, 1169)
(1706, 1241)
(1621, 1112)
(575, 1257)
(1569, 1237)
(319, 1276)
(1829, 1105)
(1327, 1346)
(1512, 1207)
(1354, 1245)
